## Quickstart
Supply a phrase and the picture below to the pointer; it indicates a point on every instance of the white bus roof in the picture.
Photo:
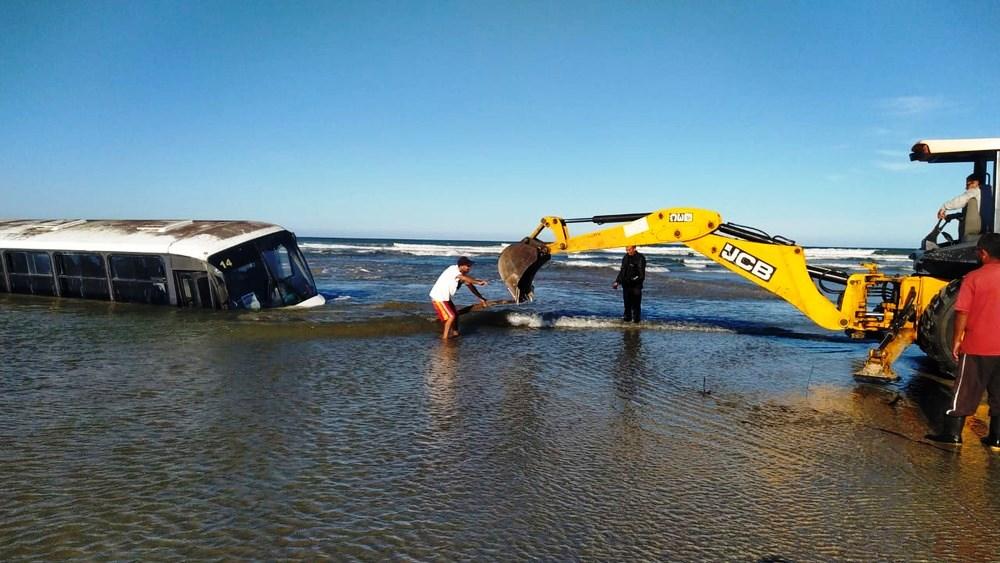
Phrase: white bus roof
(953, 150)
(197, 239)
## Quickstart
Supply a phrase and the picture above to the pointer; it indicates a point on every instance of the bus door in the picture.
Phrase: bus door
(193, 289)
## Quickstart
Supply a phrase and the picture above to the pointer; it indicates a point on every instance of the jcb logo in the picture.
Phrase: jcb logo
(748, 262)
(681, 217)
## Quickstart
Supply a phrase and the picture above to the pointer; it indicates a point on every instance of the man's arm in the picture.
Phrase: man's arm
(642, 268)
(621, 273)
(476, 293)
(957, 202)
(471, 283)
(961, 317)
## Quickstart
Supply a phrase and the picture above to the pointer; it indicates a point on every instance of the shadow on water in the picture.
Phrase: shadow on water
(932, 392)
(916, 405)
(750, 328)
(932, 396)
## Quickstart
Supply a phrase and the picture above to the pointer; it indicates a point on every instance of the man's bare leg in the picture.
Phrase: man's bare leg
(447, 329)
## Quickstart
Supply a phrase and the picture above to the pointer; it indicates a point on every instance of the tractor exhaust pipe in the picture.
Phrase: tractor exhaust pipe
(519, 263)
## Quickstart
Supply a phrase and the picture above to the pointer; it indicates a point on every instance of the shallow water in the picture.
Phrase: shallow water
(726, 427)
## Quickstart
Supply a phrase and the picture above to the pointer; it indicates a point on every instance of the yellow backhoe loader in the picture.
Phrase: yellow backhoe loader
(898, 309)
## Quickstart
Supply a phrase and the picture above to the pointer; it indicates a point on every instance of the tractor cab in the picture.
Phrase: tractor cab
(942, 254)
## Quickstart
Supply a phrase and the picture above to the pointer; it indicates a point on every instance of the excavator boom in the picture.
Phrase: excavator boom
(778, 267)
(519, 262)
(774, 263)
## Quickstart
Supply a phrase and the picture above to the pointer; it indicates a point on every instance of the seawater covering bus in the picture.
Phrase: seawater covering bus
(206, 264)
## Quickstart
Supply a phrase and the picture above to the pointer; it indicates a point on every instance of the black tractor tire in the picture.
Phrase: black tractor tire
(936, 327)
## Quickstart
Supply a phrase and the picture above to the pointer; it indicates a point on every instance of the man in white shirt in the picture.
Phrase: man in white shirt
(444, 290)
(959, 201)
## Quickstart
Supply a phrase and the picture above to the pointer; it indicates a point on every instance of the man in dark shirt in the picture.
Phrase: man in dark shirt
(630, 277)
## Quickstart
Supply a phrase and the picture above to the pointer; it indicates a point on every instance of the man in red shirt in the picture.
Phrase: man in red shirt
(976, 345)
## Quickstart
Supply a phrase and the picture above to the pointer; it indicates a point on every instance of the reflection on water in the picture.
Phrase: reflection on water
(627, 434)
(127, 433)
(441, 377)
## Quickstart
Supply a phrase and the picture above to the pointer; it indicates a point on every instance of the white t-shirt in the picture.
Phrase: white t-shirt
(446, 285)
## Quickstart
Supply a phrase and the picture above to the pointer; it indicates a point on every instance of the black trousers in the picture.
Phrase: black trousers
(976, 373)
(633, 303)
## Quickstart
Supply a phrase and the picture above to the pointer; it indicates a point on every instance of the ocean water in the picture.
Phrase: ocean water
(380, 277)
(724, 427)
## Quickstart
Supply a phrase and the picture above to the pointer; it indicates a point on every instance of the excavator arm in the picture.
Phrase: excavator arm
(774, 263)
(779, 268)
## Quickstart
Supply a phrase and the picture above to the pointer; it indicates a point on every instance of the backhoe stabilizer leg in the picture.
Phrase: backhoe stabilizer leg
(878, 366)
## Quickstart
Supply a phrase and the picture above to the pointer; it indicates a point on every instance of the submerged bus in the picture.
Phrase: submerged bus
(205, 264)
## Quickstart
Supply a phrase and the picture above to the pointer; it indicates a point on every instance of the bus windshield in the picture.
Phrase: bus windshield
(266, 272)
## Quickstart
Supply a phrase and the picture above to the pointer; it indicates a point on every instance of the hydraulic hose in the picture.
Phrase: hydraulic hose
(602, 219)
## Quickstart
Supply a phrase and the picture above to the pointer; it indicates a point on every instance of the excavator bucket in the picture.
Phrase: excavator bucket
(519, 263)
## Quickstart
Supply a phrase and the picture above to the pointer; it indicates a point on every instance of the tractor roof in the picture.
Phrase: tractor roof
(955, 150)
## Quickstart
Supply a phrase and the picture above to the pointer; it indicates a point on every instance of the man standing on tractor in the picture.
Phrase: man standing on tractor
(976, 346)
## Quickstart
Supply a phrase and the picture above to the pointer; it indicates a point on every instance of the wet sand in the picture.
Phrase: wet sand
(131, 433)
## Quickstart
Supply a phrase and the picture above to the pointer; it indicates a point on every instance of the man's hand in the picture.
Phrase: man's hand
(941, 213)
(614, 285)
(961, 319)
(482, 302)
(471, 280)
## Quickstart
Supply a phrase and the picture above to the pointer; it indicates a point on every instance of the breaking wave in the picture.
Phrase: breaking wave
(678, 256)
(412, 249)
(530, 320)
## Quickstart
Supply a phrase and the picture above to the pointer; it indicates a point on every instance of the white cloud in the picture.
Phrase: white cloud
(911, 105)
(900, 155)
(895, 166)
(880, 131)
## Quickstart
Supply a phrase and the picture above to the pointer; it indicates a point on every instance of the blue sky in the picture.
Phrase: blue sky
(472, 120)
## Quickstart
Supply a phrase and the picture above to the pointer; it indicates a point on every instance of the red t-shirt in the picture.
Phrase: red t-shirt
(979, 296)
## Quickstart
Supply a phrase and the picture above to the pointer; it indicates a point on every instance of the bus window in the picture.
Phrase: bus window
(293, 279)
(267, 272)
(193, 289)
(82, 275)
(278, 260)
(139, 279)
(30, 272)
(246, 277)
